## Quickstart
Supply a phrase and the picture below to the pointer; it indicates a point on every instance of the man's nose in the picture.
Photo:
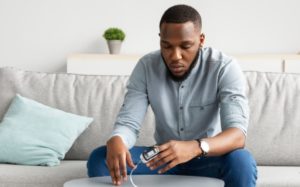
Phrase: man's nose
(176, 54)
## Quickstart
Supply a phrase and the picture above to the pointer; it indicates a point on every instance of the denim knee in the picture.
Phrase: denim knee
(96, 164)
(239, 169)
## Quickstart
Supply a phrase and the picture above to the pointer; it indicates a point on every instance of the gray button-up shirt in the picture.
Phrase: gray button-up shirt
(211, 99)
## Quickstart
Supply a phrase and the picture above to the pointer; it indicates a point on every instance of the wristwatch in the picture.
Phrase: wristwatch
(203, 146)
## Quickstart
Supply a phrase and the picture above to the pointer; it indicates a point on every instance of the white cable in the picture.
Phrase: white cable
(130, 177)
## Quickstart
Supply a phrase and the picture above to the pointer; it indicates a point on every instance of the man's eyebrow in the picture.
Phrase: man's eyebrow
(183, 42)
(187, 42)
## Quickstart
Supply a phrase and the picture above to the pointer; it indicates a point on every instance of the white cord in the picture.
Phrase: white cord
(130, 177)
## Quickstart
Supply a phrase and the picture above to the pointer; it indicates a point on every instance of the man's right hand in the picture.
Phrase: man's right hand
(116, 158)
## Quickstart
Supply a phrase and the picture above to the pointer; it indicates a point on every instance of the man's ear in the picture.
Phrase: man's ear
(202, 39)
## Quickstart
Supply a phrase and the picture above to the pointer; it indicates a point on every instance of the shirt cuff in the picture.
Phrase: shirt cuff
(126, 134)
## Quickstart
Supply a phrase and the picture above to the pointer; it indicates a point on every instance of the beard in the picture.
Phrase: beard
(184, 76)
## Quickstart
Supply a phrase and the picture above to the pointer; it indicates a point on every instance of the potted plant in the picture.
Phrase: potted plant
(114, 37)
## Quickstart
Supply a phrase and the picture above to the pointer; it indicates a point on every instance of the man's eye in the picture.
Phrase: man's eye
(166, 46)
(186, 46)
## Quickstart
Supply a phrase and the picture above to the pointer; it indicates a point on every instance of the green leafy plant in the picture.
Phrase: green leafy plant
(114, 33)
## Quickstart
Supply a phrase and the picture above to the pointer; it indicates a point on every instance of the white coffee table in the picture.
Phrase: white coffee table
(149, 181)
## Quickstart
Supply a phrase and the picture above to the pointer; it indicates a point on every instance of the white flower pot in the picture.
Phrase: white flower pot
(114, 46)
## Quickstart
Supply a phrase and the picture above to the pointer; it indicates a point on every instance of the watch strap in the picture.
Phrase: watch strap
(203, 153)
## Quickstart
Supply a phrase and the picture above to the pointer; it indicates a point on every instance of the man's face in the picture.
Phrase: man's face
(180, 43)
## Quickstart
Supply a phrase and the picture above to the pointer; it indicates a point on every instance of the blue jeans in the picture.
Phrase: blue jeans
(236, 169)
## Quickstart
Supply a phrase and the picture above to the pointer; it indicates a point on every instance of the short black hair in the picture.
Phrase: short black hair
(181, 14)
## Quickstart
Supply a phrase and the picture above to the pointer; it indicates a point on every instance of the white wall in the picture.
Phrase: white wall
(39, 34)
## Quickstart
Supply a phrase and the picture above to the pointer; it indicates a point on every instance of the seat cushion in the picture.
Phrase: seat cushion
(278, 176)
(37, 176)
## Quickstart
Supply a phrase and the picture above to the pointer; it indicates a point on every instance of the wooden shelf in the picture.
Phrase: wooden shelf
(106, 64)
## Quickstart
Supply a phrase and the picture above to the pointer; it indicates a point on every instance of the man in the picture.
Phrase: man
(197, 95)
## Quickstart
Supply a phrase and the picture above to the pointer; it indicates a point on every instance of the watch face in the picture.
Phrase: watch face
(205, 146)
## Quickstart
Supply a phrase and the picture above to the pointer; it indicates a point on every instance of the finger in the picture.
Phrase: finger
(111, 172)
(169, 166)
(116, 170)
(129, 160)
(113, 178)
(163, 147)
(159, 157)
(123, 167)
(163, 151)
(163, 161)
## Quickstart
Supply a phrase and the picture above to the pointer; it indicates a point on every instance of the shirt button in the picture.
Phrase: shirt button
(181, 129)
(182, 86)
(201, 108)
(181, 108)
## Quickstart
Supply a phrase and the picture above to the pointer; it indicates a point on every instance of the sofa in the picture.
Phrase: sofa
(273, 133)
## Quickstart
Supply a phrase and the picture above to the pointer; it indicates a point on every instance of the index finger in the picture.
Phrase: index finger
(116, 172)
(111, 168)
(163, 147)
(123, 167)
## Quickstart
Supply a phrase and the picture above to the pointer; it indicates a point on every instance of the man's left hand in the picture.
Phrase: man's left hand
(173, 153)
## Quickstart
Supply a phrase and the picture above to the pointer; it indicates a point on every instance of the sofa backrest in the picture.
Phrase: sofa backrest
(274, 128)
(274, 101)
(99, 97)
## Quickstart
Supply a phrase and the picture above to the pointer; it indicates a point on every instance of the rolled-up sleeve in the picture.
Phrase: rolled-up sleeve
(234, 108)
(134, 108)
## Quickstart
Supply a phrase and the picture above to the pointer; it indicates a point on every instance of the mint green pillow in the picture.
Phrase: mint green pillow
(35, 134)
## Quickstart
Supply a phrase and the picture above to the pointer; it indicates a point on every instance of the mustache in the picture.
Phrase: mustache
(178, 64)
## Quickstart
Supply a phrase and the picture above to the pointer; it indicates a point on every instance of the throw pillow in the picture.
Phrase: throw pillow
(35, 134)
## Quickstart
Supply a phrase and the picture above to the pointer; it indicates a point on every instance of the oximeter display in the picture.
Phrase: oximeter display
(149, 155)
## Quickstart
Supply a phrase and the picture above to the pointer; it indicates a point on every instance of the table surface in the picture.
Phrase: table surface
(149, 181)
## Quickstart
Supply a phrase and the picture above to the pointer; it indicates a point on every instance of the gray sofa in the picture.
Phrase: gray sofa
(273, 134)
